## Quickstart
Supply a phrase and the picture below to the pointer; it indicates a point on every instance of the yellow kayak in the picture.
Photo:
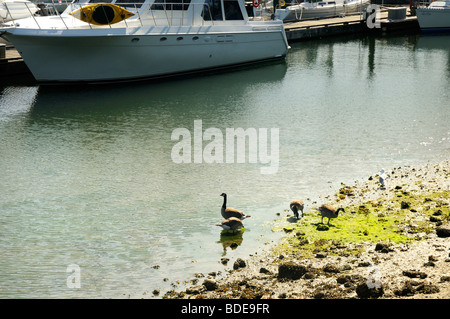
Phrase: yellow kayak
(102, 14)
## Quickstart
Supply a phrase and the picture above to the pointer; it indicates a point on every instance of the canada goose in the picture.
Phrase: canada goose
(329, 211)
(382, 178)
(231, 212)
(297, 205)
(231, 223)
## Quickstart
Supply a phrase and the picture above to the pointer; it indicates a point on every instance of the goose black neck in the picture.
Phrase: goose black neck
(224, 201)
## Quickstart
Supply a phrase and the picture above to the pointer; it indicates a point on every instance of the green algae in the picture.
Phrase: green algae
(394, 220)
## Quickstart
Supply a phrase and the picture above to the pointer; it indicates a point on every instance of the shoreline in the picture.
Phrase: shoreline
(390, 243)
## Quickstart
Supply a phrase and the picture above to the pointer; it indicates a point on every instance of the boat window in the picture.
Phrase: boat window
(232, 10)
(130, 3)
(170, 5)
(212, 10)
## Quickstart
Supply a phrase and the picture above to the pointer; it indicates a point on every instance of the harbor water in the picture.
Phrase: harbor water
(99, 182)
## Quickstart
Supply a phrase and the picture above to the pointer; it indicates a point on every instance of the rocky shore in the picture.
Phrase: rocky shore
(391, 242)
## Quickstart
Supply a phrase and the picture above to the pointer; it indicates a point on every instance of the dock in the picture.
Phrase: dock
(350, 24)
(12, 64)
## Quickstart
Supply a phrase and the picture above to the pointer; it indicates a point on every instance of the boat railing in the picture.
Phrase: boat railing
(158, 14)
(422, 3)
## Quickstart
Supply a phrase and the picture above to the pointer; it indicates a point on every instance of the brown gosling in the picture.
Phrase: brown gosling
(232, 224)
(231, 212)
(330, 212)
(297, 205)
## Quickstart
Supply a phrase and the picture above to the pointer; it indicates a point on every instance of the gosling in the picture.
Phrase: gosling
(330, 212)
(231, 212)
(297, 205)
(232, 224)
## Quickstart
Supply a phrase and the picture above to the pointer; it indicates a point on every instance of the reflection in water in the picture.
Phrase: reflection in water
(230, 240)
(16, 101)
(88, 179)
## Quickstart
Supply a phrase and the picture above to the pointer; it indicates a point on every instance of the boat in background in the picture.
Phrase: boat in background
(311, 9)
(435, 17)
(159, 39)
(16, 9)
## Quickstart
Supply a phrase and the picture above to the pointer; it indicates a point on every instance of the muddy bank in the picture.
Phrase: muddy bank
(391, 242)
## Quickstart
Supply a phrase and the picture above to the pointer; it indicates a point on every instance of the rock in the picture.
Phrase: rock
(239, 263)
(321, 255)
(364, 264)
(290, 270)
(322, 227)
(443, 230)
(427, 289)
(437, 213)
(406, 290)
(331, 269)
(195, 290)
(224, 261)
(382, 247)
(404, 205)
(364, 291)
(210, 284)
(350, 280)
(414, 274)
(434, 219)
(319, 295)
(156, 292)
(309, 275)
(263, 270)
(288, 229)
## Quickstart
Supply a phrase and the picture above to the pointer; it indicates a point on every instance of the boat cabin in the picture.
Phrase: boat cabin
(177, 12)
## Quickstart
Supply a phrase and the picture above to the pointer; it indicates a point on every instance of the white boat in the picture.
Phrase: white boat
(311, 9)
(435, 17)
(16, 9)
(160, 39)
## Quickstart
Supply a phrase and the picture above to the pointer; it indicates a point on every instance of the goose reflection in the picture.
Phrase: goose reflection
(230, 240)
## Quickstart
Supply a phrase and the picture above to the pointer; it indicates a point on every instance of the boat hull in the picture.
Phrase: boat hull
(433, 20)
(66, 56)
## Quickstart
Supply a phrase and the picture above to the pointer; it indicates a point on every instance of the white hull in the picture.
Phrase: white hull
(122, 57)
(135, 49)
(433, 19)
(307, 11)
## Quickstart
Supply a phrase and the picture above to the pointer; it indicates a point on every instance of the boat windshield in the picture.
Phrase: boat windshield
(213, 10)
(169, 4)
(130, 3)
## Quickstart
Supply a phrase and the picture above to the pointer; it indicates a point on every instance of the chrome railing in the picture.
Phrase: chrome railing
(158, 14)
